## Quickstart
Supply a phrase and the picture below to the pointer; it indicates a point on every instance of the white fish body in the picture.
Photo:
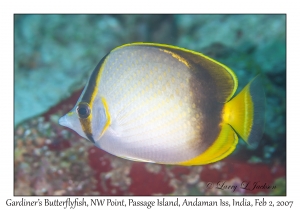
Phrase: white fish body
(147, 103)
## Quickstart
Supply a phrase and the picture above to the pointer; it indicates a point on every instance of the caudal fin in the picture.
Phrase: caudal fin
(246, 112)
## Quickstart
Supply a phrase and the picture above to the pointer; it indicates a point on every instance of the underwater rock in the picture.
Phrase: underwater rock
(51, 67)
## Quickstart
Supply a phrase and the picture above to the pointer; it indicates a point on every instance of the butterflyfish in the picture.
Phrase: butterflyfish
(169, 105)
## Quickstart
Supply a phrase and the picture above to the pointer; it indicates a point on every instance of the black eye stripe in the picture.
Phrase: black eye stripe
(83, 110)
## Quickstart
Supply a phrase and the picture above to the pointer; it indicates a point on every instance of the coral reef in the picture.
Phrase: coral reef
(52, 63)
(53, 160)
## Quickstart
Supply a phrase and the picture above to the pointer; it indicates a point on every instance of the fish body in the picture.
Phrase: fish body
(164, 104)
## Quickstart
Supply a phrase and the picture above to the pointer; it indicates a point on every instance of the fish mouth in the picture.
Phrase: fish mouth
(64, 121)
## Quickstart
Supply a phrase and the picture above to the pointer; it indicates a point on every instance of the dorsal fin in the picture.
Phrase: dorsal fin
(223, 77)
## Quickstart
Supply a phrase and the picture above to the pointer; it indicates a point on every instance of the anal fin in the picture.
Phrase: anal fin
(223, 146)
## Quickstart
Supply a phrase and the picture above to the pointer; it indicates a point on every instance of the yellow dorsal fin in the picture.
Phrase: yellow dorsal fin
(223, 77)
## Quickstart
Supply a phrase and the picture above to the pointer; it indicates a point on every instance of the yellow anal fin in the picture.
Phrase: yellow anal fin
(221, 148)
(245, 112)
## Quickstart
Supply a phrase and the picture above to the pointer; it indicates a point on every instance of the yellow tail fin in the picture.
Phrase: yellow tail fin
(245, 112)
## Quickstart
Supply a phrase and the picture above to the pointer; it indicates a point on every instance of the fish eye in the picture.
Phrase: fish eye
(83, 110)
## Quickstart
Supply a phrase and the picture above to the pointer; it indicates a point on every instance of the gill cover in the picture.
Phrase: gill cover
(90, 116)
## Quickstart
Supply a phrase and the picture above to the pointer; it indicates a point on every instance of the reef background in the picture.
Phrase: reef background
(53, 57)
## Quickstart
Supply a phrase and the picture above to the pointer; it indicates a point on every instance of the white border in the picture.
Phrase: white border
(154, 6)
